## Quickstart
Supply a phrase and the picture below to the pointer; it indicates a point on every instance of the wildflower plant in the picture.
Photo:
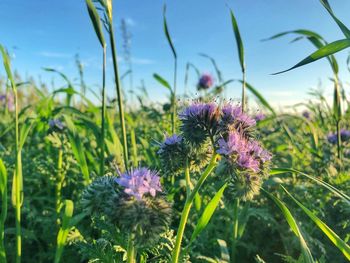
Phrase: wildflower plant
(132, 202)
(227, 134)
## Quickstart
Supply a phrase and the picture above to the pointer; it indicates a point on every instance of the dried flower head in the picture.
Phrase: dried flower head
(205, 82)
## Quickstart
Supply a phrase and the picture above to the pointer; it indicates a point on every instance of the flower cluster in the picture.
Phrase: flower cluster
(205, 82)
(207, 128)
(344, 136)
(199, 122)
(131, 202)
(140, 182)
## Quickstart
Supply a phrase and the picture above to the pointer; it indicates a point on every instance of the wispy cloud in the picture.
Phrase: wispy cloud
(50, 54)
(130, 22)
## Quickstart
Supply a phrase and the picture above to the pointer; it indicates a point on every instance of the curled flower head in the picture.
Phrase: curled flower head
(234, 118)
(172, 153)
(246, 163)
(205, 82)
(140, 182)
(199, 122)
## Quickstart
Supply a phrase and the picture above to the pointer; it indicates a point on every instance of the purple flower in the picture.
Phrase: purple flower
(205, 82)
(233, 114)
(56, 123)
(345, 135)
(306, 114)
(258, 152)
(174, 139)
(234, 144)
(10, 101)
(245, 160)
(140, 182)
(260, 116)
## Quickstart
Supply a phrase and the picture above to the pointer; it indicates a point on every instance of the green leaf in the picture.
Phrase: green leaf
(96, 22)
(166, 31)
(3, 177)
(215, 65)
(7, 65)
(64, 230)
(294, 226)
(238, 41)
(342, 27)
(337, 241)
(322, 52)
(162, 81)
(208, 213)
(331, 188)
(262, 100)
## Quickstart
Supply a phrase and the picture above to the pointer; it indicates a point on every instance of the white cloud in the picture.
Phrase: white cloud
(50, 54)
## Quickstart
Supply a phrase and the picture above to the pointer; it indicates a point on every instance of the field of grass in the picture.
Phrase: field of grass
(195, 179)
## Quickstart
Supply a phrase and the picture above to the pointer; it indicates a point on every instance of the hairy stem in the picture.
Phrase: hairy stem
(235, 230)
(187, 208)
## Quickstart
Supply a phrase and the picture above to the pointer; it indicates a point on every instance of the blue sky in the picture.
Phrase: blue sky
(49, 33)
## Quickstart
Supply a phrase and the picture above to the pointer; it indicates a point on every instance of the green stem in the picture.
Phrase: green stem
(2, 223)
(131, 251)
(174, 99)
(59, 181)
(243, 90)
(119, 94)
(18, 184)
(187, 208)
(235, 230)
(103, 114)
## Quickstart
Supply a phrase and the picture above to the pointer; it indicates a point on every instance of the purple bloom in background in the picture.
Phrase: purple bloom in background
(10, 101)
(332, 138)
(169, 141)
(306, 114)
(205, 82)
(260, 116)
(345, 135)
(56, 123)
(233, 113)
(140, 182)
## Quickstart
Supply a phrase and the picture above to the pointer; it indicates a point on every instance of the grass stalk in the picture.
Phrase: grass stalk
(130, 251)
(119, 94)
(59, 181)
(235, 231)
(103, 114)
(186, 210)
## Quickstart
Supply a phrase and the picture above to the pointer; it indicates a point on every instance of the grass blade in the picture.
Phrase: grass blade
(238, 41)
(64, 230)
(322, 52)
(294, 226)
(3, 215)
(162, 81)
(331, 188)
(208, 213)
(96, 22)
(337, 241)
(342, 27)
